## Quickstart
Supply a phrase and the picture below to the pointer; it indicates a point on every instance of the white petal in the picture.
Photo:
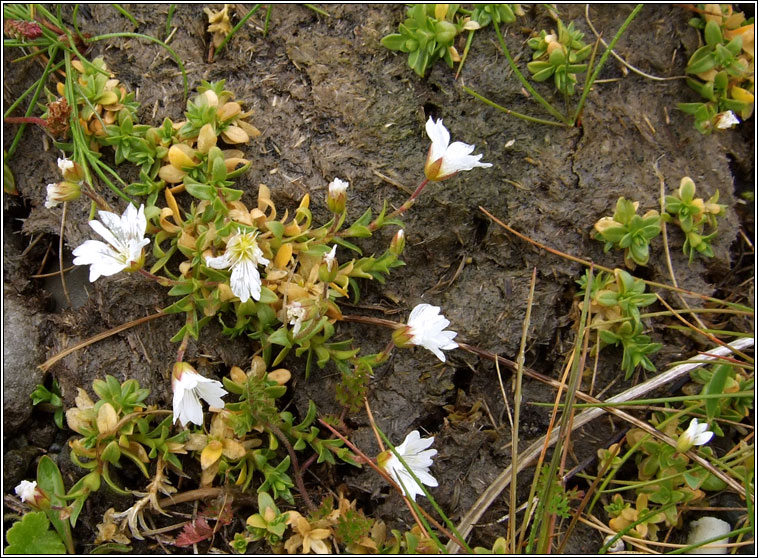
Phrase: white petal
(458, 158)
(191, 409)
(246, 281)
(212, 392)
(106, 231)
(219, 262)
(101, 258)
(440, 138)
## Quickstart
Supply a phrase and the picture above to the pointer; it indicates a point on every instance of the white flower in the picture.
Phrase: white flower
(61, 192)
(414, 452)
(336, 197)
(65, 164)
(125, 240)
(189, 387)
(725, 120)
(337, 187)
(27, 491)
(425, 327)
(329, 258)
(695, 435)
(446, 159)
(243, 255)
(296, 313)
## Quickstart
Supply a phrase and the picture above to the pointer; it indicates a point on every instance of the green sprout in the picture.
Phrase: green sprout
(559, 56)
(630, 232)
(692, 215)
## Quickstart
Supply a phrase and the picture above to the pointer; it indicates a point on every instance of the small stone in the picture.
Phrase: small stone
(706, 528)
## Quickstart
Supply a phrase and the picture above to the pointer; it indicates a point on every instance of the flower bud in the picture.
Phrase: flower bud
(337, 196)
(71, 170)
(398, 243)
(31, 494)
(62, 192)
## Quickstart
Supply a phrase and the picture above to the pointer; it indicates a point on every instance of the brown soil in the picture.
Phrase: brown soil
(331, 101)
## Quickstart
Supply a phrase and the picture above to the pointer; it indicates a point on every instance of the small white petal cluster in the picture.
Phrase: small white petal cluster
(445, 159)
(330, 258)
(337, 187)
(65, 164)
(426, 328)
(243, 256)
(26, 490)
(695, 435)
(414, 452)
(125, 237)
(296, 314)
(189, 387)
(726, 120)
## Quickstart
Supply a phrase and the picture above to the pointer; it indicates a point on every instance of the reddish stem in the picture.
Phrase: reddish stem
(26, 120)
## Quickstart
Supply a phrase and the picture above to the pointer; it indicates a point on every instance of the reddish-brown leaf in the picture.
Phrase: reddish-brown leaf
(194, 532)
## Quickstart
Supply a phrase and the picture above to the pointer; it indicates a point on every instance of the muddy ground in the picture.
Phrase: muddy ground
(330, 101)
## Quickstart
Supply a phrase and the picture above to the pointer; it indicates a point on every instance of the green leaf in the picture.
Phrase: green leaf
(200, 191)
(394, 41)
(32, 535)
(714, 386)
(713, 33)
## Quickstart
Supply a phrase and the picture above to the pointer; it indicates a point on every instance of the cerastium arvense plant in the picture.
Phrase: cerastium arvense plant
(271, 275)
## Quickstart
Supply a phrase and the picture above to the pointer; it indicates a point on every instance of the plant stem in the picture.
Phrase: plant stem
(295, 466)
(603, 58)
(41, 122)
(528, 86)
(526, 117)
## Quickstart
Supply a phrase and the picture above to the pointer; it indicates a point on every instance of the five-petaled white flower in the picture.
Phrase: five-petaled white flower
(243, 256)
(695, 435)
(725, 120)
(27, 491)
(414, 452)
(445, 159)
(189, 387)
(125, 238)
(426, 328)
(296, 314)
(330, 258)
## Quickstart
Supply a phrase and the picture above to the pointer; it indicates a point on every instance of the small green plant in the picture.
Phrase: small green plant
(118, 426)
(52, 398)
(692, 215)
(428, 34)
(268, 524)
(722, 69)
(629, 232)
(615, 303)
(560, 56)
(728, 381)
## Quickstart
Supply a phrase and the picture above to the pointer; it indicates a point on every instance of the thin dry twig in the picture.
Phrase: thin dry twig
(617, 57)
(45, 366)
